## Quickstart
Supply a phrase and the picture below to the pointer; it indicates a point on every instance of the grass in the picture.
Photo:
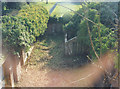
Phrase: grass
(60, 11)
(47, 6)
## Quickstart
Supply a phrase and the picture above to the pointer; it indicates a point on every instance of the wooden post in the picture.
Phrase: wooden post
(8, 73)
(16, 68)
(66, 44)
(22, 56)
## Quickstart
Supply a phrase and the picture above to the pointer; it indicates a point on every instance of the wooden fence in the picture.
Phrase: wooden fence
(75, 48)
(70, 46)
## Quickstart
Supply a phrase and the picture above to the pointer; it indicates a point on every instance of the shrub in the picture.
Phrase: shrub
(35, 18)
(107, 37)
(77, 27)
(14, 34)
(20, 31)
(53, 19)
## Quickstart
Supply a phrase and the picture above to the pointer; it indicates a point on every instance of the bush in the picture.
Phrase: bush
(107, 37)
(20, 31)
(71, 29)
(77, 27)
(53, 19)
(35, 18)
(83, 38)
(15, 36)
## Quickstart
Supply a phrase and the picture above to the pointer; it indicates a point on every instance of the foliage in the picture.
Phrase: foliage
(71, 29)
(107, 37)
(53, 19)
(20, 31)
(83, 37)
(73, 26)
(103, 37)
(108, 13)
(15, 36)
(82, 33)
(35, 18)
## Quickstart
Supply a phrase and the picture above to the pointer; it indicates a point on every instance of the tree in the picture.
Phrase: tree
(108, 13)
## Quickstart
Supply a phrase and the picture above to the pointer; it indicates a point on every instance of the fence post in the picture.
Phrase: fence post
(22, 56)
(16, 68)
(8, 73)
(66, 44)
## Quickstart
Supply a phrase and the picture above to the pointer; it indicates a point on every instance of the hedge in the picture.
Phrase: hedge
(20, 31)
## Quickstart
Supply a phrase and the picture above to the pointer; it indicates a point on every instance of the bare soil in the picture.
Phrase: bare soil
(39, 73)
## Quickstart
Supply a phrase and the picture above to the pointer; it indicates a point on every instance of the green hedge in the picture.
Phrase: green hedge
(20, 31)
(35, 17)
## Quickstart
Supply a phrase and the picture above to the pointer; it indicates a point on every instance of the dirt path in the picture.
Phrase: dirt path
(82, 77)
(37, 74)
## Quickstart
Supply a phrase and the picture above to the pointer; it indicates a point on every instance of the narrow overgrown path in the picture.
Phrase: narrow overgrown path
(47, 67)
